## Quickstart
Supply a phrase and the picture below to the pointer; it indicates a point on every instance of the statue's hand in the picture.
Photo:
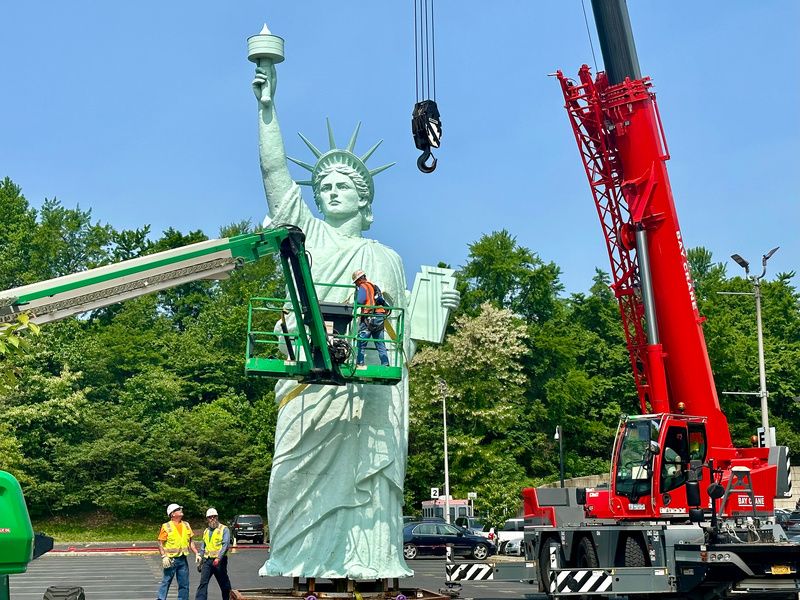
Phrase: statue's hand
(265, 82)
(451, 299)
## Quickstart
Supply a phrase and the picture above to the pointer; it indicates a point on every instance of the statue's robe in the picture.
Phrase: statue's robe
(336, 489)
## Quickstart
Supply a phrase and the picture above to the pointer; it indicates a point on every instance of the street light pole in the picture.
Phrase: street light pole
(443, 392)
(762, 371)
(560, 439)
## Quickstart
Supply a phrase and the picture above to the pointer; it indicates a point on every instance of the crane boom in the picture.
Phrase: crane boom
(618, 128)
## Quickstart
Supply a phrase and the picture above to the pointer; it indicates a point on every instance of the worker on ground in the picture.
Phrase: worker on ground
(174, 542)
(373, 316)
(213, 556)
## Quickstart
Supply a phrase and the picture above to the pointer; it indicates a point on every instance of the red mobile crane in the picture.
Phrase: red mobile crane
(655, 530)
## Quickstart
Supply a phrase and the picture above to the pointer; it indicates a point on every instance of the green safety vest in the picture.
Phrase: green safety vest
(212, 539)
(177, 544)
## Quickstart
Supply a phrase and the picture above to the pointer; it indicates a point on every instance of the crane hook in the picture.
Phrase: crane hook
(426, 126)
(423, 158)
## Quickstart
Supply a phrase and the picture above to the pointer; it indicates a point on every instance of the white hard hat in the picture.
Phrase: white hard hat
(212, 512)
(358, 275)
(172, 508)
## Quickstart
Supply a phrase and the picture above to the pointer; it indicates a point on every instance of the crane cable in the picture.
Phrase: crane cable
(426, 125)
(589, 33)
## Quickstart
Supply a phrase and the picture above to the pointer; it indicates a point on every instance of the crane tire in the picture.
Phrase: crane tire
(586, 557)
(635, 553)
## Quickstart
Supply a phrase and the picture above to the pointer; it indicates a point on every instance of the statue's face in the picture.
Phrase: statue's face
(339, 197)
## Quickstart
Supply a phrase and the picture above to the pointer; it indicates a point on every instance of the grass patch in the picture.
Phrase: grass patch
(97, 527)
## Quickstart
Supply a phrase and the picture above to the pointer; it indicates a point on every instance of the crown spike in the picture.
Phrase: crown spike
(311, 146)
(306, 166)
(309, 183)
(353, 138)
(371, 150)
(331, 141)
(379, 169)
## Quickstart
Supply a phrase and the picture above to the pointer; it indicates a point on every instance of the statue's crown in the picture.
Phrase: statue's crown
(340, 156)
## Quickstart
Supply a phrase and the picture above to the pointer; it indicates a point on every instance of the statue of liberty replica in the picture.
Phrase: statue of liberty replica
(336, 489)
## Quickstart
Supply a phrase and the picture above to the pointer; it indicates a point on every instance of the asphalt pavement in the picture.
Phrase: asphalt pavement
(135, 575)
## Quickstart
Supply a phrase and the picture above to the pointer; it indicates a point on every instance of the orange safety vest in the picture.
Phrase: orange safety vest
(177, 544)
(369, 288)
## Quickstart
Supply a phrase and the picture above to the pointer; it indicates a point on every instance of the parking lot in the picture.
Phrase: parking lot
(129, 576)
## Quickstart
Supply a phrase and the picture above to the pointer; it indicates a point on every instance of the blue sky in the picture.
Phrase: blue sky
(143, 112)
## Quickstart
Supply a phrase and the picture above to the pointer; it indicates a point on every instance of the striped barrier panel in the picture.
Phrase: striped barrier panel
(469, 572)
(580, 581)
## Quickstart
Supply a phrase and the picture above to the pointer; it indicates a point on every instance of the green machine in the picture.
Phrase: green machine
(18, 545)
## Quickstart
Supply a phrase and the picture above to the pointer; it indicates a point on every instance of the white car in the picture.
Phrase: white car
(513, 529)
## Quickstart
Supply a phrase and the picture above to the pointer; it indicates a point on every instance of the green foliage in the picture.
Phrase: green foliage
(484, 389)
(509, 276)
(102, 526)
(16, 234)
(13, 343)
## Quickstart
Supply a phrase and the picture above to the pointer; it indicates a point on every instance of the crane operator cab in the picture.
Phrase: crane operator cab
(654, 458)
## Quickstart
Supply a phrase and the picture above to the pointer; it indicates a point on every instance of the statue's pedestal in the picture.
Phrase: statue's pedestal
(339, 589)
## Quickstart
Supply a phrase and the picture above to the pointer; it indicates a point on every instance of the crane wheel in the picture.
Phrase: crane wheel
(635, 553)
(544, 563)
(586, 554)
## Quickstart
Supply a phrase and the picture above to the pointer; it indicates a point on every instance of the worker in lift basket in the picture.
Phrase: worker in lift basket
(174, 542)
(373, 317)
(212, 559)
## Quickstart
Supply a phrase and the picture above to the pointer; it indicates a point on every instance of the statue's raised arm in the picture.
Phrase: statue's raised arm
(277, 181)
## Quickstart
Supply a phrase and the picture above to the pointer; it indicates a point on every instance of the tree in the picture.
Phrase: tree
(485, 386)
(67, 241)
(16, 234)
(509, 276)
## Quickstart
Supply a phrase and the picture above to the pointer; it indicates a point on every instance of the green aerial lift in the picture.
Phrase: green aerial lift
(294, 337)
(320, 350)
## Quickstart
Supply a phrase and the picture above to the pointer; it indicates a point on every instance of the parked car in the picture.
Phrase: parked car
(473, 524)
(793, 522)
(514, 547)
(782, 516)
(248, 527)
(512, 529)
(432, 538)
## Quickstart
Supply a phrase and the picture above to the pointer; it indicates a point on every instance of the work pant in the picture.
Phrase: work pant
(220, 572)
(365, 334)
(180, 570)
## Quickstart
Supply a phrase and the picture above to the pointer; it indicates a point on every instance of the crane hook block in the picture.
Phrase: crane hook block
(426, 126)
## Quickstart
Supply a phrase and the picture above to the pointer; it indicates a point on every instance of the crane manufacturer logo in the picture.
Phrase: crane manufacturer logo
(687, 272)
(745, 501)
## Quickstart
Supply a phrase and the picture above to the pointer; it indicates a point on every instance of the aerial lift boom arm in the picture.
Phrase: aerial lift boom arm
(312, 359)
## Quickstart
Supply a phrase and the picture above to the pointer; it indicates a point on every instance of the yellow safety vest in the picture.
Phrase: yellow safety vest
(177, 544)
(212, 539)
